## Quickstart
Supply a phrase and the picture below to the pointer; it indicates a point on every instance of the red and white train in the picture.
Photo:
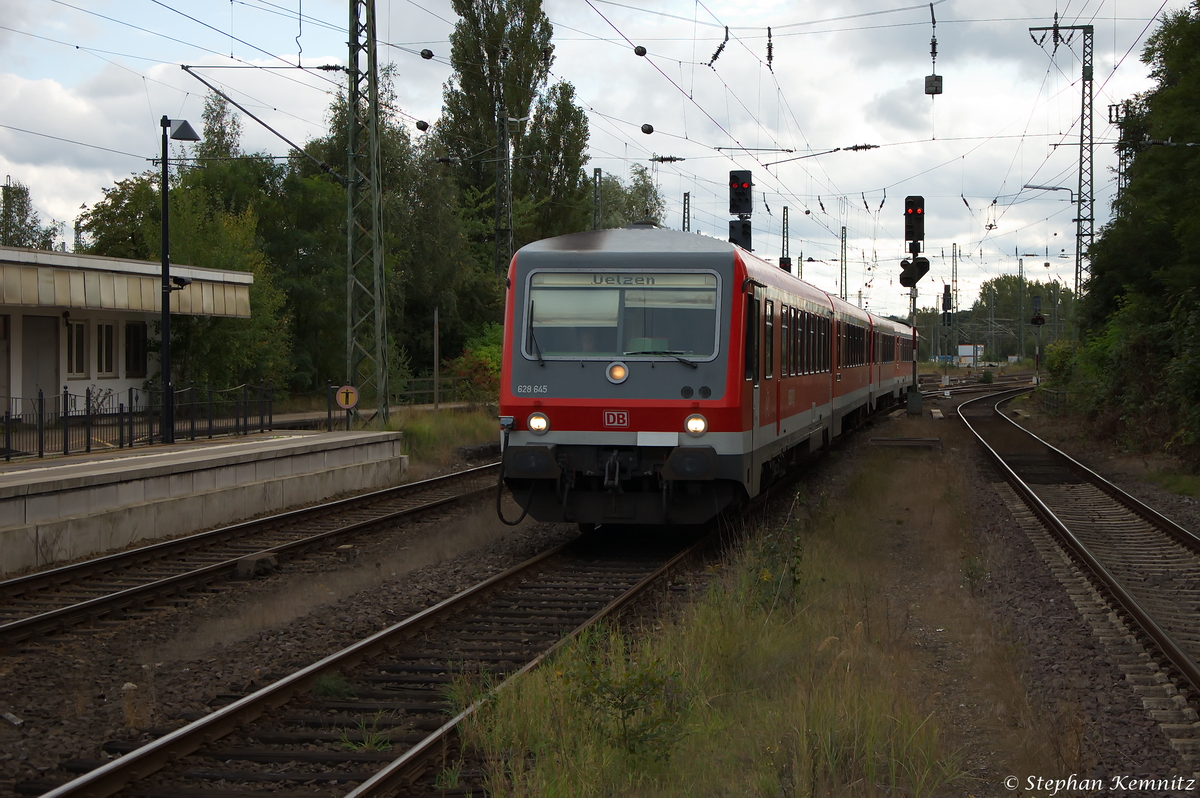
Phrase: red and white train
(656, 376)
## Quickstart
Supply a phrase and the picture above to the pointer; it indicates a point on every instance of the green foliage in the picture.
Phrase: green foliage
(770, 682)
(638, 201)
(1139, 372)
(332, 685)
(1005, 297)
(497, 49)
(436, 437)
(20, 224)
(987, 377)
(1183, 484)
(1059, 361)
(634, 699)
(127, 222)
(368, 736)
(208, 349)
(480, 363)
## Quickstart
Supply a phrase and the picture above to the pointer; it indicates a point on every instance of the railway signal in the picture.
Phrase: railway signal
(946, 305)
(914, 218)
(739, 233)
(1038, 319)
(912, 271)
(741, 193)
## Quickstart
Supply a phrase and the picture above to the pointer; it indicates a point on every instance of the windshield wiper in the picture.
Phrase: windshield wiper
(667, 353)
(533, 339)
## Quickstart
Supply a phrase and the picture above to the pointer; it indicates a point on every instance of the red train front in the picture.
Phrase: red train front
(654, 376)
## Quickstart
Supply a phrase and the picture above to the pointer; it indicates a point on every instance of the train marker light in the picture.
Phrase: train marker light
(695, 425)
(538, 423)
(617, 373)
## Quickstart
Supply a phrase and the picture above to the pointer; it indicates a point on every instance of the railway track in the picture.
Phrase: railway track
(367, 720)
(175, 570)
(1142, 562)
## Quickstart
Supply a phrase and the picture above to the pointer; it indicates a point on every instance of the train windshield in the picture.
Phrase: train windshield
(618, 314)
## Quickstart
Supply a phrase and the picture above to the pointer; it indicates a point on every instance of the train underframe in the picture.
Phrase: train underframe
(592, 485)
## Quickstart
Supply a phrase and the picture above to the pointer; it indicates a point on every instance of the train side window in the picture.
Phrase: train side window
(826, 331)
(785, 341)
(796, 341)
(751, 353)
(809, 346)
(768, 339)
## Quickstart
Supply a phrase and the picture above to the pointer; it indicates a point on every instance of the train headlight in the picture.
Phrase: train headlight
(538, 423)
(617, 373)
(696, 425)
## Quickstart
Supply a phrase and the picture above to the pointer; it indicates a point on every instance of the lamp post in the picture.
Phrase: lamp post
(178, 130)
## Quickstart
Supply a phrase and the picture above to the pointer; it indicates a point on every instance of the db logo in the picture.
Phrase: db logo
(616, 418)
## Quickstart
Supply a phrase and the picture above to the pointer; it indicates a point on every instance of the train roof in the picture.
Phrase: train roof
(636, 238)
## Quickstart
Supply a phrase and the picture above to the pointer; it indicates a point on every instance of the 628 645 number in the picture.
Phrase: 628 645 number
(533, 388)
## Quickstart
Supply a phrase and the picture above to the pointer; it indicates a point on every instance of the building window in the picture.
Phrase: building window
(76, 349)
(106, 343)
(135, 349)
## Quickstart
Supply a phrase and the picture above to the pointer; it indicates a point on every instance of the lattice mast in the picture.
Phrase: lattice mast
(1085, 219)
(366, 296)
(843, 293)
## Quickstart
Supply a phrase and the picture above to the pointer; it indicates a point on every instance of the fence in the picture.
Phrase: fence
(1054, 401)
(420, 391)
(99, 420)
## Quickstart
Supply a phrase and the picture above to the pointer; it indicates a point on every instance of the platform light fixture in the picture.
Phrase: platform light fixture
(172, 130)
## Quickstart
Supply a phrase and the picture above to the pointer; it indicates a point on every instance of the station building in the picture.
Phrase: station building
(85, 321)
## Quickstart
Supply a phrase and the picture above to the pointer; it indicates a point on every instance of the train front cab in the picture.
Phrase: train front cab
(616, 382)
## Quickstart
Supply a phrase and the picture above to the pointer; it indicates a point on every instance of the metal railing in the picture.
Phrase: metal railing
(421, 391)
(1054, 401)
(101, 420)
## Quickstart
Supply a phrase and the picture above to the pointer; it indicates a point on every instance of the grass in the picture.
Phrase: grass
(436, 436)
(367, 736)
(781, 679)
(1182, 484)
(332, 685)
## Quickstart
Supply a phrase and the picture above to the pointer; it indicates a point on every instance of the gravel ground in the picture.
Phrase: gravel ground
(69, 692)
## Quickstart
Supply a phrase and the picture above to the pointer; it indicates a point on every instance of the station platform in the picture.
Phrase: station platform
(57, 510)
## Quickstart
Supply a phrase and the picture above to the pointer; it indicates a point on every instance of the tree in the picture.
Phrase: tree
(640, 201)
(1141, 314)
(499, 48)
(20, 224)
(1152, 245)
(213, 225)
(127, 222)
(549, 165)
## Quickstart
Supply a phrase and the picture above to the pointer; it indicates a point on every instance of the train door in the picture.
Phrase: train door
(753, 374)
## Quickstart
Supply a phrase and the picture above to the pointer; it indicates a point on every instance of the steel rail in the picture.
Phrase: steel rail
(114, 776)
(1181, 534)
(15, 631)
(1186, 666)
(398, 773)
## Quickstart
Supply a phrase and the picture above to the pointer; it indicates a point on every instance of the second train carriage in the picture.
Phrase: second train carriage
(655, 376)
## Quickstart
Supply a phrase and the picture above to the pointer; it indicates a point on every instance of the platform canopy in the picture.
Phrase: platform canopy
(41, 278)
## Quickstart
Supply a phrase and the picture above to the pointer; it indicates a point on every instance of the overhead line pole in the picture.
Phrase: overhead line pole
(366, 303)
(1085, 199)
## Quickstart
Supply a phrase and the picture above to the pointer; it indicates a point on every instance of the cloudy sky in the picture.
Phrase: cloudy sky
(83, 84)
